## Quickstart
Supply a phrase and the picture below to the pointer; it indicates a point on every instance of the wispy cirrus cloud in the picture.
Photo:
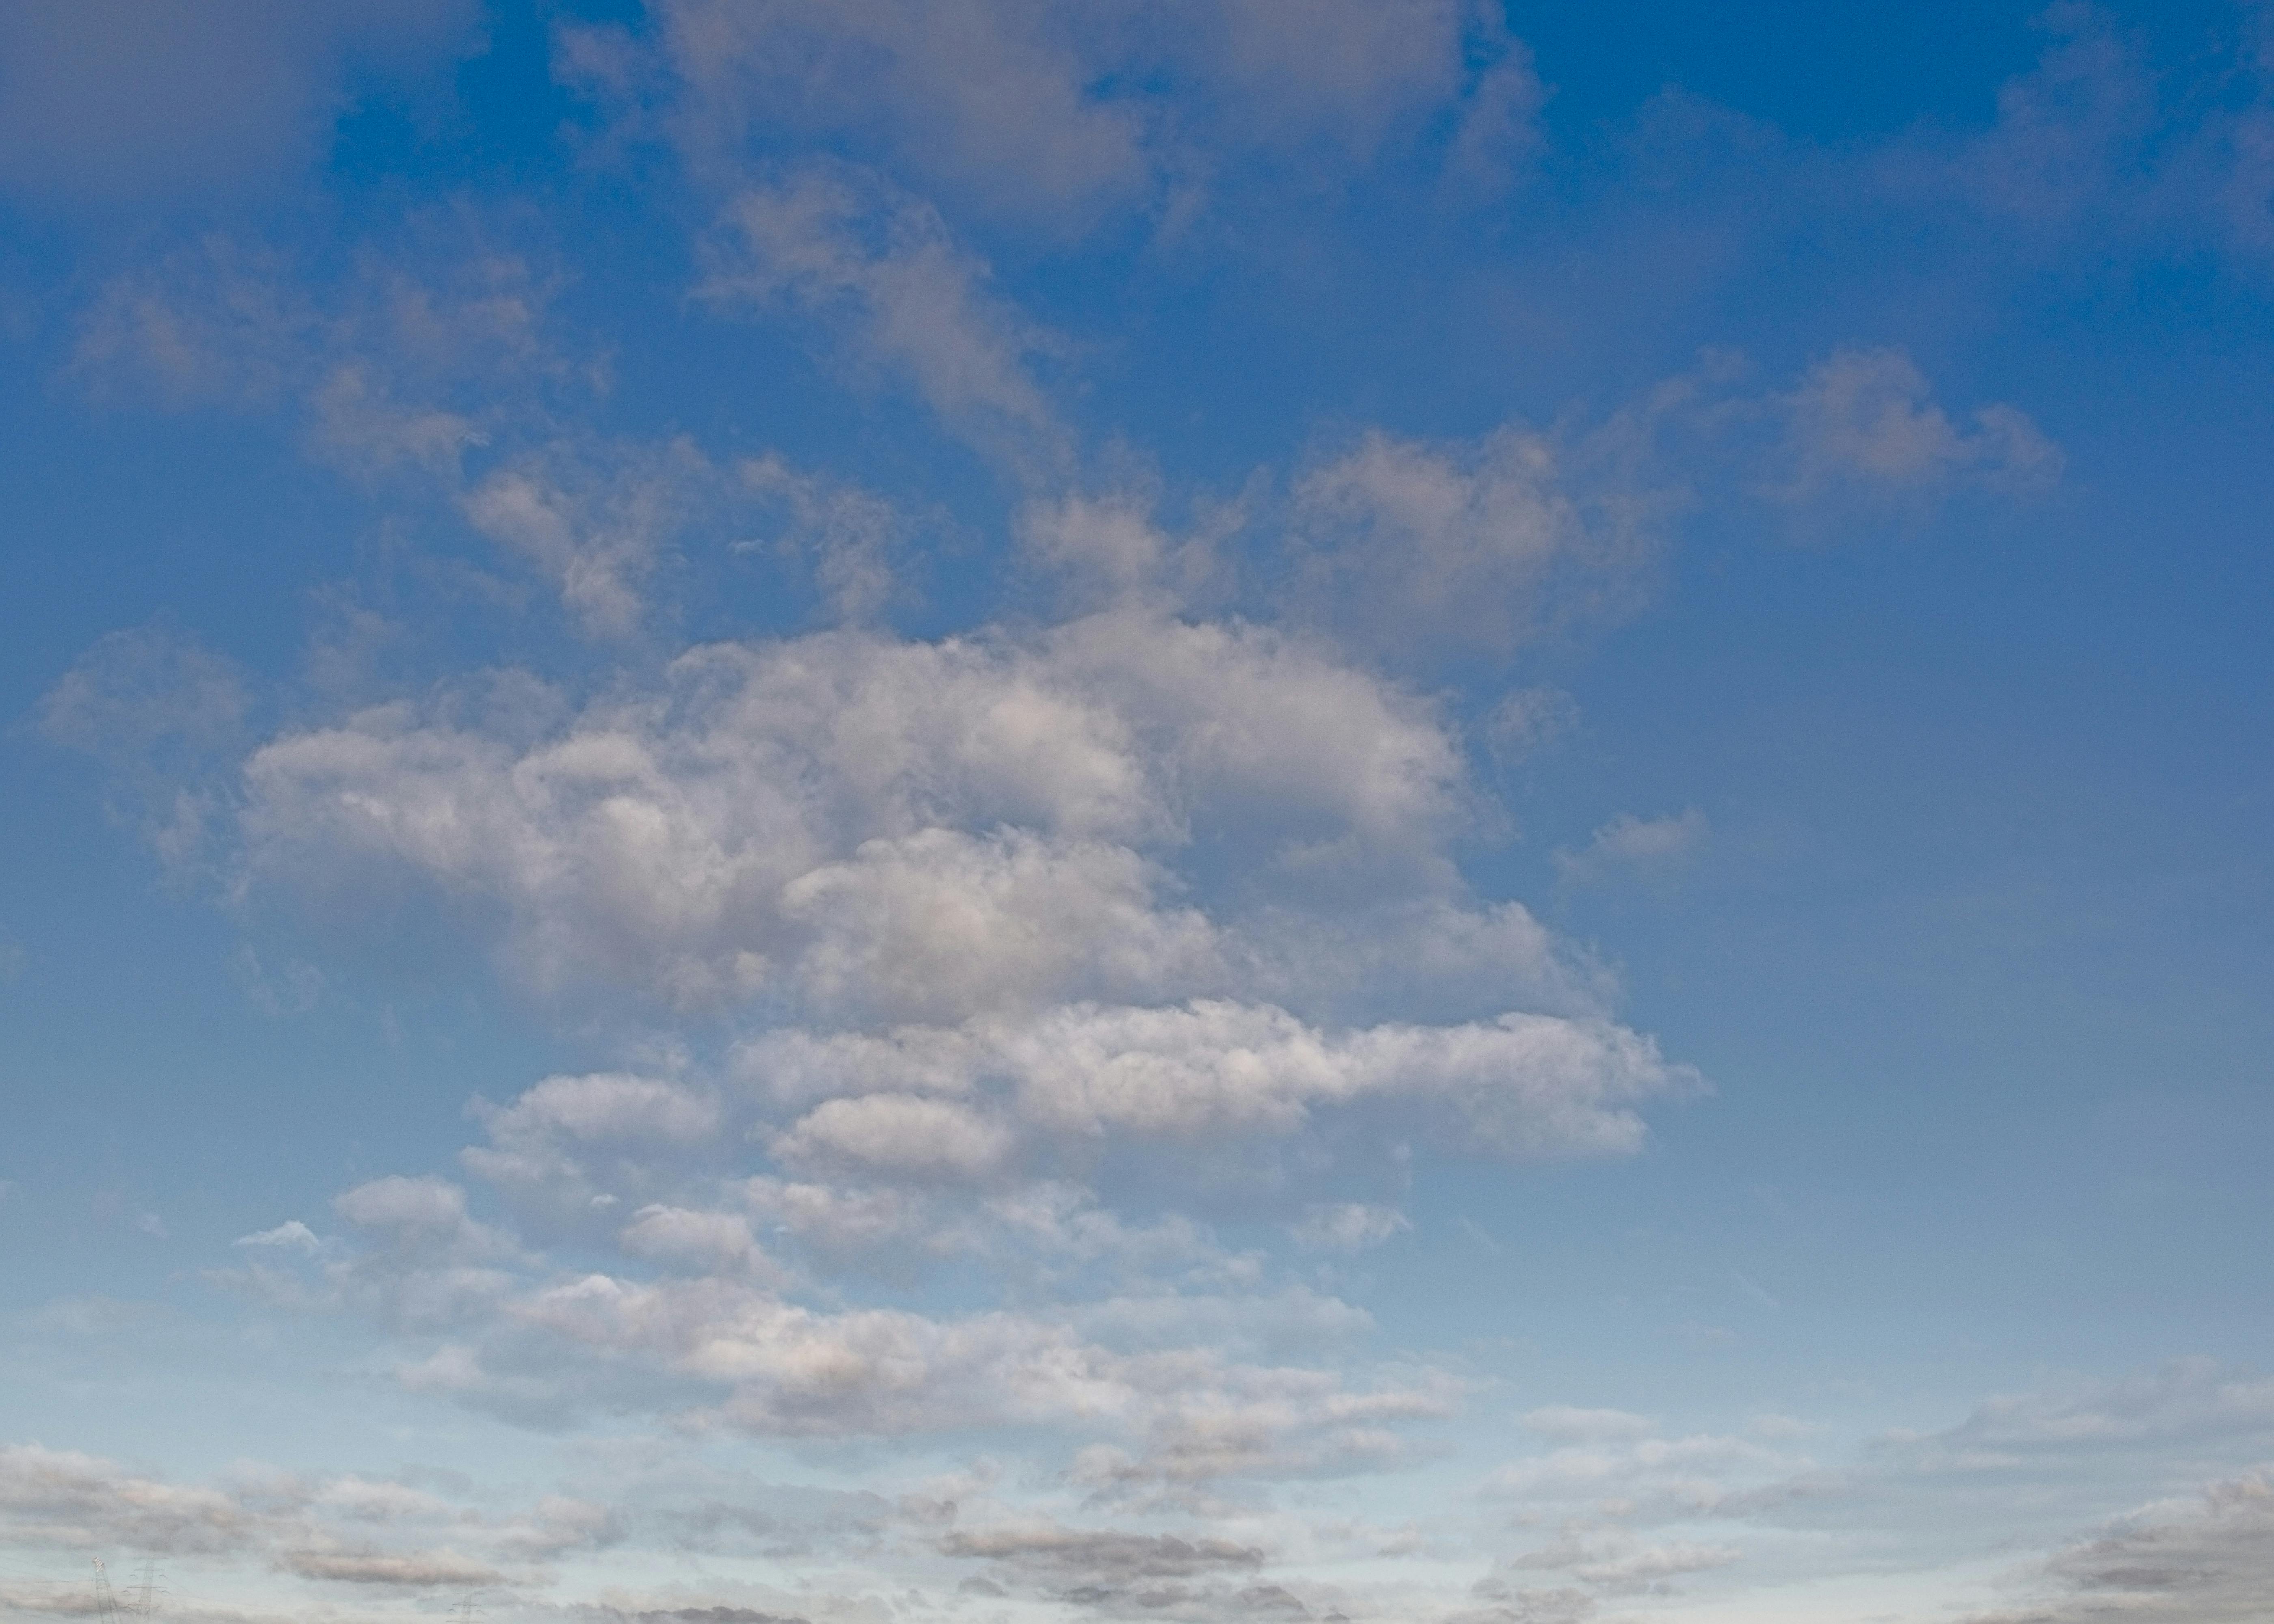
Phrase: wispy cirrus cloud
(1062, 119)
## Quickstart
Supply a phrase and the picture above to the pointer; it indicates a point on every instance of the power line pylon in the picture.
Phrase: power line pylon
(106, 1604)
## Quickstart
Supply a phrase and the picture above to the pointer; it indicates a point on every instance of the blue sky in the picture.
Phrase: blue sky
(858, 811)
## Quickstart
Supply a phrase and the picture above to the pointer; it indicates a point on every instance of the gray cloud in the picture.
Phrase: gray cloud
(342, 1530)
(62, 1498)
(110, 98)
(1099, 1556)
(1059, 116)
(408, 1569)
(2208, 1560)
(1865, 421)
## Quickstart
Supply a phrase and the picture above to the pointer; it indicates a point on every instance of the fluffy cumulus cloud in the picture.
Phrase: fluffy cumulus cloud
(1003, 923)
(886, 828)
(1008, 1043)
(1023, 958)
(1523, 1084)
(999, 976)
(954, 888)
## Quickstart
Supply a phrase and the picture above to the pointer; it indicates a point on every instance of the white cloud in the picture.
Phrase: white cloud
(292, 1234)
(160, 711)
(436, 368)
(575, 1146)
(415, 1207)
(294, 990)
(1476, 545)
(841, 1224)
(940, 924)
(1186, 1414)
(338, 1529)
(2022, 1470)
(1114, 536)
(1866, 420)
(1526, 719)
(2069, 142)
(897, 1133)
(1612, 1560)
(1061, 115)
(1095, 1553)
(1152, 1395)
(856, 539)
(1525, 1085)
(2187, 1398)
(1521, 1087)
(221, 322)
(611, 1108)
(134, 692)
(595, 523)
(388, 368)
(1606, 1463)
(62, 1497)
(1632, 846)
(2099, 148)
(844, 246)
(992, 94)
(366, 1500)
(1349, 1226)
(1499, 131)
(948, 886)
(433, 368)
(1344, 68)
(806, 814)
(716, 1243)
(431, 1260)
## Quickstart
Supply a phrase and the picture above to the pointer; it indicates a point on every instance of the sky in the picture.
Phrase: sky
(1385, 811)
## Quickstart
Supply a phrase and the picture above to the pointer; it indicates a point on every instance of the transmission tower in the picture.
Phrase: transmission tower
(106, 1604)
(146, 1606)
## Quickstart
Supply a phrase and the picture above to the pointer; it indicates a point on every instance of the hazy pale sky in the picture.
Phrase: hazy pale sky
(865, 811)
